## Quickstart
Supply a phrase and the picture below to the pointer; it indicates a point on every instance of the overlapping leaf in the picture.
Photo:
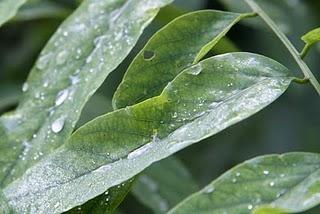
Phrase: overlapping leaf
(286, 183)
(8, 9)
(113, 148)
(86, 48)
(178, 45)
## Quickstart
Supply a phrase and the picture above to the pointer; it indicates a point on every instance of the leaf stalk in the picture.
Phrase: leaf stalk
(293, 51)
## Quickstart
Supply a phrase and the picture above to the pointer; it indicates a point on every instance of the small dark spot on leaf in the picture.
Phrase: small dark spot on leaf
(148, 55)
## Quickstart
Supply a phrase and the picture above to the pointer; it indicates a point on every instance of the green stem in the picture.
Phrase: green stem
(303, 66)
(305, 51)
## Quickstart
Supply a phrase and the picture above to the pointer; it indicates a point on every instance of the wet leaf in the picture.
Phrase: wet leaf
(115, 147)
(178, 45)
(287, 183)
(69, 70)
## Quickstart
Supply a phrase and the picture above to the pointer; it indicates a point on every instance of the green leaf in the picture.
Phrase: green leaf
(312, 36)
(68, 71)
(106, 202)
(163, 185)
(4, 207)
(178, 45)
(115, 147)
(8, 9)
(287, 183)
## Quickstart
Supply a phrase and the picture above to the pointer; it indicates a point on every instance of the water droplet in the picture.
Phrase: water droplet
(46, 84)
(282, 175)
(234, 180)
(89, 59)
(266, 172)
(271, 183)
(62, 57)
(175, 115)
(61, 97)
(230, 84)
(34, 135)
(209, 189)
(238, 174)
(195, 70)
(43, 61)
(65, 33)
(25, 87)
(57, 125)
(74, 79)
(250, 207)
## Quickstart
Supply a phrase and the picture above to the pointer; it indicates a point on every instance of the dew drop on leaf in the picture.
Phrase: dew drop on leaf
(61, 97)
(57, 125)
(61, 57)
(43, 61)
(209, 189)
(25, 87)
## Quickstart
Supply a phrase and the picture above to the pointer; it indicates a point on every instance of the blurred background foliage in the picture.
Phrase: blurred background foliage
(290, 124)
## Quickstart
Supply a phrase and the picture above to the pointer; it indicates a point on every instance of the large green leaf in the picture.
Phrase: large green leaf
(86, 48)
(201, 101)
(163, 185)
(286, 183)
(8, 9)
(178, 45)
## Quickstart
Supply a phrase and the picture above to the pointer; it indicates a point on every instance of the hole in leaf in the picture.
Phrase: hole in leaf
(148, 55)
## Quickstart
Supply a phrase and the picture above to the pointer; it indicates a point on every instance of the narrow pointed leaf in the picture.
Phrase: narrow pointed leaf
(115, 147)
(8, 9)
(86, 48)
(178, 45)
(287, 183)
(163, 185)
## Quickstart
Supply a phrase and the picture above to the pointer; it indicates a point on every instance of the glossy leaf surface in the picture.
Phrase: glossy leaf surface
(286, 183)
(115, 147)
(90, 44)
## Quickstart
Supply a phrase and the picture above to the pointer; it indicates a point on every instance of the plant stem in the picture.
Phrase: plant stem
(304, 51)
(303, 66)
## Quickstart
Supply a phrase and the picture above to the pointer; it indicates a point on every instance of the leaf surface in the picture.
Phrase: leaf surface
(90, 44)
(8, 9)
(287, 183)
(163, 185)
(312, 36)
(201, 101)
(178, 45)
